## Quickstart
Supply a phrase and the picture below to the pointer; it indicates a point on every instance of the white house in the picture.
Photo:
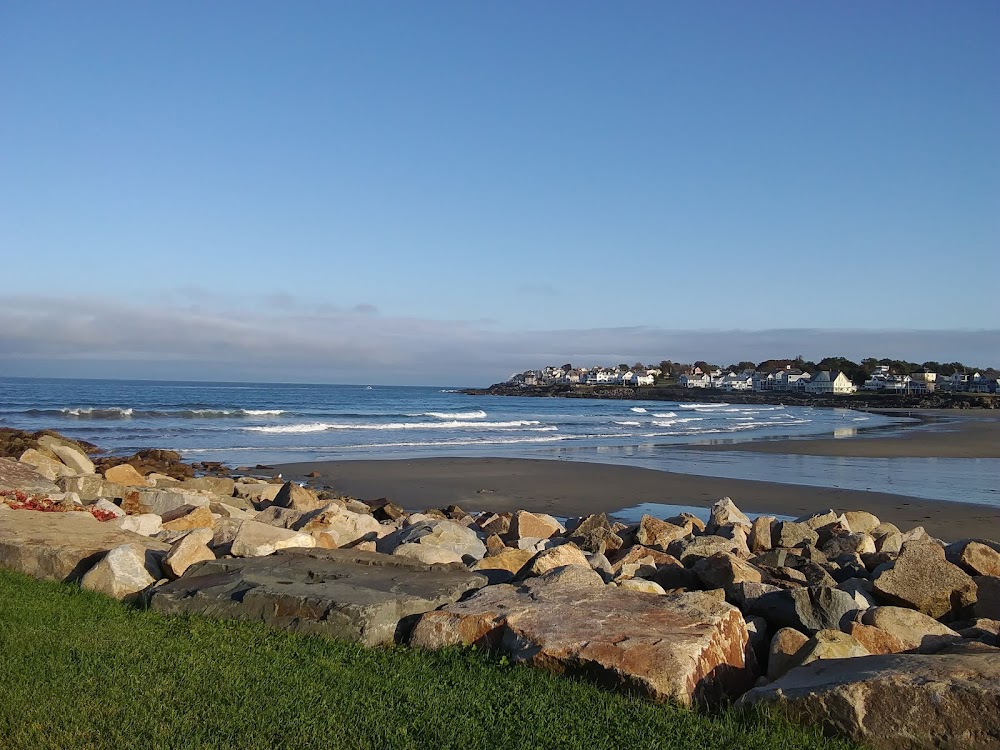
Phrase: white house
(648, 379)
(700, 380)
(825, 381)
(733, 382)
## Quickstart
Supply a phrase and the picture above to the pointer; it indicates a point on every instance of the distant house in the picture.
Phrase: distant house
(733, 382)
(647, 379)
(834, 382)
(695, 380)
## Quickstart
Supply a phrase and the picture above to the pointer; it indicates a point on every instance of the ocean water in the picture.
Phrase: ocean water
(246, 424)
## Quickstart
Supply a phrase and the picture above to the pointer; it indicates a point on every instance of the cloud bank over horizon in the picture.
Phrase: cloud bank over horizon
(280, 340)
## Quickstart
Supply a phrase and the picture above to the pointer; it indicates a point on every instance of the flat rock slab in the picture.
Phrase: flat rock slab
(366, 597)
(946, 700)
(688, 648)
(15, 475)
(61, 546)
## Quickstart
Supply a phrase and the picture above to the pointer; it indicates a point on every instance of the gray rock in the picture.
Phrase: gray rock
(808, 609)
(365, 597)
(15, 475)
(691, 549)
(988, 604)
(949, 700)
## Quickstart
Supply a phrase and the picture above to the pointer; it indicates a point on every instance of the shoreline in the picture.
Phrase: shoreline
(566, 488)
(936, 434)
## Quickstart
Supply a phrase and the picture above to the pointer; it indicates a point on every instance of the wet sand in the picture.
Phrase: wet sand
(567, 488)
(945, 433)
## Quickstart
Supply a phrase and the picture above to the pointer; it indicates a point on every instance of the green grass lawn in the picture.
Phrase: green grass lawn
(78, 670)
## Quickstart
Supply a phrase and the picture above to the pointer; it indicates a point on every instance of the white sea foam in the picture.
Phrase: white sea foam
(627, 424)
(702, 406)
(263, 412)
(638, 410)
(112, 412)
(480, 414)
(665, 415)
(672, 422)
(454, 424)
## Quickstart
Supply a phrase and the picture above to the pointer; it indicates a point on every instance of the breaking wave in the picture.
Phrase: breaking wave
(480, 414)
(454, 424)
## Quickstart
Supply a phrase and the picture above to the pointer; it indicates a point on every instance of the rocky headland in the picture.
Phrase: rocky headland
(887, 635)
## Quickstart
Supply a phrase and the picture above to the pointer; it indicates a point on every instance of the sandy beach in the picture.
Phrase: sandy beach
(946, 433)
(567, 488)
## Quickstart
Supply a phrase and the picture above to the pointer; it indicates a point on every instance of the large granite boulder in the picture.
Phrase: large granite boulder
(911, 628)
(922, 579)
(61, 546)
(124, 572)
(988, 604)
(689, 648)
(888, 702)
(72, 457)
(366, 597)
(47, 466)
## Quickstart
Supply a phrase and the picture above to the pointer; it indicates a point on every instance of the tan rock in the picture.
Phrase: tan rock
(922, 579)
(502, 567)
(876, 640)
(343, 525)
(785, 644)
(686, 648)
(554, 557)
(222, 486)
(725, 513)
(74, 458)
(188, 517)
(759, 539)
(191, 549)
(497, 524)
(255, 539)
(948, 700)
(861, 521)
(47, 467)
(979, 560)
(653, 532)
(296, 497)
(641, 585)
(722, 570)
(830, 644)
(124, 572)
(629, 562)
(525, 524)
(913, 629)
(125, 475)
(430, 554)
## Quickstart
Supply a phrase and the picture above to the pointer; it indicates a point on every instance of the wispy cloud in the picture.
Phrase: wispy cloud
(284, 340)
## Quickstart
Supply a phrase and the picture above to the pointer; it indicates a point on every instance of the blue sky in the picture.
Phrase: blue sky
(410, 188)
